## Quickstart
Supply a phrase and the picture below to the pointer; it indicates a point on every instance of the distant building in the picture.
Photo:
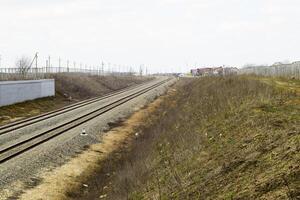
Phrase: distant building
(194, 72)
(277, 64)
(216, 71)
(230, 71)
(205, 71)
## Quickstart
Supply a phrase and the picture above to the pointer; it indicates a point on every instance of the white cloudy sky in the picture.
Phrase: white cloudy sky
(162, 34)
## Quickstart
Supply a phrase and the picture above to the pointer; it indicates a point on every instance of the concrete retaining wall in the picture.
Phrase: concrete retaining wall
(18, 91)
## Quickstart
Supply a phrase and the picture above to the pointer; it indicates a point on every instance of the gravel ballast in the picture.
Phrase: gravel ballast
(23, 171)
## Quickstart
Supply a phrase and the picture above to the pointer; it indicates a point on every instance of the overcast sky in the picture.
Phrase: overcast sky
(161, 34)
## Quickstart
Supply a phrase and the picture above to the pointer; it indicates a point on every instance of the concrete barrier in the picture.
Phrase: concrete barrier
(12, 92)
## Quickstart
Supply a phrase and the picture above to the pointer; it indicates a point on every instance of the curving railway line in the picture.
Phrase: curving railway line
(19, 147)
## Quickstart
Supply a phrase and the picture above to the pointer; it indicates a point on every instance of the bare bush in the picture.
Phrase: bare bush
(23, 65)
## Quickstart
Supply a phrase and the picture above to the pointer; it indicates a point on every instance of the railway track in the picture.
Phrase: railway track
(32, 120)
(16, 149)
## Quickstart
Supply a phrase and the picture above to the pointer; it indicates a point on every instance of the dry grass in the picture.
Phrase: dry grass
(80, 86)
(218, 138)
(31, 108)
(67, 182)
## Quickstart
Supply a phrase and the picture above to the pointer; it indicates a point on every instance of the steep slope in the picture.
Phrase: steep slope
(216, 138)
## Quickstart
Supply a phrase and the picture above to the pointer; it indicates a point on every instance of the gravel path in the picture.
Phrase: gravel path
(24, 170)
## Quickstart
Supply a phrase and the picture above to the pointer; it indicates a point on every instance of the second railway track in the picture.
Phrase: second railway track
(16, 149)
(32, 120)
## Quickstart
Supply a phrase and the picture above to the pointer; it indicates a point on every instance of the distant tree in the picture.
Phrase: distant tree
(23, 65)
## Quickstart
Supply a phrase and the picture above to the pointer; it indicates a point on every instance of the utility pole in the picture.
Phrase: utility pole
(36, 60)
(131, 71)
(109, 70)
(141, 70)
(36, 63)
(59, 65)
(49, 64)
(74, 63)
(68, 62)
(102, 68)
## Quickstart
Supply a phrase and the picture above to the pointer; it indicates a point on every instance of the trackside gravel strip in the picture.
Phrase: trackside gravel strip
(25, 145)
(32, 120)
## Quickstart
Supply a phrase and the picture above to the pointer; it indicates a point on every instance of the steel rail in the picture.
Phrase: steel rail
(25, 145)
(32, 120)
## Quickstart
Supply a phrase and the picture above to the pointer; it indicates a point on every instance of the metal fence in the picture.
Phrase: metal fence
(46, 72)
(283, 70)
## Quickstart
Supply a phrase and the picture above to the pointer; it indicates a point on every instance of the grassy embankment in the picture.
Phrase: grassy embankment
(216, 138)
(70, 88)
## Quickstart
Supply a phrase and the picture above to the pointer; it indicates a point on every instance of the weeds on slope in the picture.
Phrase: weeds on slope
(217, 138)
(81, 86)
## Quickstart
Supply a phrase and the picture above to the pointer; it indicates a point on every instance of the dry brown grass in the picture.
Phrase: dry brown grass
(81, 86)
(218, 138)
